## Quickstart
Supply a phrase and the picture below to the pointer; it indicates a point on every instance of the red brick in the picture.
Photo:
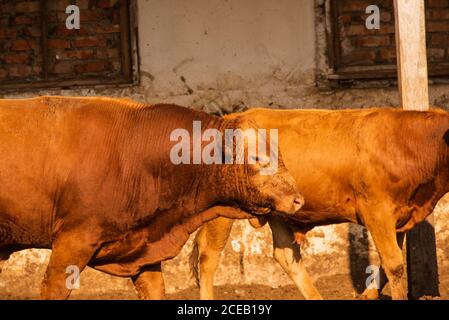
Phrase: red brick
(58, 44)
(62, 31)
(59, 5)
(436, 54)
(345, 19)
(93, 66)
(82, 54)
(358, 5)
(373, 41)
(388, 54)
(16, 58)
(4, 45)
(83, 4)
(437, 26)
(8, 33)
(88, 15)
(385, 16)
(386, 29)
(33, 32)
(62, 67)
(437, 3)
(90, 42)
(103, 4)
(439, 14)
(3, 74)
(19, 71)
(19, 20)
(28, 7)
(355, 30)
(109, 53)
(37, 70)
(7, 7)
(108, 29)
(52, 17)
(360, 57)
(21, 45)
(439, 40)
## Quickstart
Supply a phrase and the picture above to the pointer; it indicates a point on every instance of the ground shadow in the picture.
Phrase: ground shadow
(358, 250)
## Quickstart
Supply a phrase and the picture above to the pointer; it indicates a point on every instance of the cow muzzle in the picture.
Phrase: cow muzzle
(290, 205)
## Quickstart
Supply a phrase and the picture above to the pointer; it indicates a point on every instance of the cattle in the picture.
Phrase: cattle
(382, 168)
(92, 180)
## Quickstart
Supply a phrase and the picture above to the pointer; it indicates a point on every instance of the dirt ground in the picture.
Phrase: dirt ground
(331, 288)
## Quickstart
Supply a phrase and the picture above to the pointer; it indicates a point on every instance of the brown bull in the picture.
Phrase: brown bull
(382, 168)
(92, 179)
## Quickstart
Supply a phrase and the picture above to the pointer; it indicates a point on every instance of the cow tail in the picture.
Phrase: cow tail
(194, 260)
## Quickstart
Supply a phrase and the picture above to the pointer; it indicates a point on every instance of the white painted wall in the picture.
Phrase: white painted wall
(225, 44)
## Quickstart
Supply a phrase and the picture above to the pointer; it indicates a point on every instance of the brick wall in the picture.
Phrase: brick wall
(92, 52)
(359, 46)
(20, 37)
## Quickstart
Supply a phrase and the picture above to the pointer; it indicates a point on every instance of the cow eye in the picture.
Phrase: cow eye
(254, 159)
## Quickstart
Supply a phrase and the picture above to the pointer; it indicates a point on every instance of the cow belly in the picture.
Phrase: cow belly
(310, 219)
(127, 257)
(13, 235)
(141, 248)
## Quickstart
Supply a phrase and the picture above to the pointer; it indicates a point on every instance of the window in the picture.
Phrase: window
(356, 52)
(38, 50)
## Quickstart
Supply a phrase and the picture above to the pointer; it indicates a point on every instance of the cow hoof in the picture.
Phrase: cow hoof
(370, 294)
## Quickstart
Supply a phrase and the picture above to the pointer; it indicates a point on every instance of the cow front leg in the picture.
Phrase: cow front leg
(287, 253)
(209, 243)
(149, 283)
(71, 252)
(380, 222)
(373, 294)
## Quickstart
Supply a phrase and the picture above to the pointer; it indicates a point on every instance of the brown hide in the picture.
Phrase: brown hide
(382, 168)
(100, 168)
(342, 158)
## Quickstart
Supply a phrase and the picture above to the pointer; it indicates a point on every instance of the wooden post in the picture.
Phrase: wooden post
(422, 268)
(411, 54)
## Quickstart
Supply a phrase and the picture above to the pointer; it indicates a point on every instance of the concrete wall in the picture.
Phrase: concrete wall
(223, 56)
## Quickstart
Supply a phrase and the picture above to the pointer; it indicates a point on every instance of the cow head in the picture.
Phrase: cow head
(258, 178)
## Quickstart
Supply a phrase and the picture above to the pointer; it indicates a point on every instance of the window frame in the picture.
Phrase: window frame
(128, 49)
(340, 72)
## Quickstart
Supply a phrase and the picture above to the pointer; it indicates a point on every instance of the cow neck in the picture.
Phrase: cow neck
(231, 180)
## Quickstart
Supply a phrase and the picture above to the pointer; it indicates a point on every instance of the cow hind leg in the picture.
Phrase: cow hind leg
(373, 293)
(380, 222)
(149, 283)
(209, 243)
(71, 252)
(287, 253)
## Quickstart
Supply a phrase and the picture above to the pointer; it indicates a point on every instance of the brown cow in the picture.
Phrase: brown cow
(382, 168)
(92, 179)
